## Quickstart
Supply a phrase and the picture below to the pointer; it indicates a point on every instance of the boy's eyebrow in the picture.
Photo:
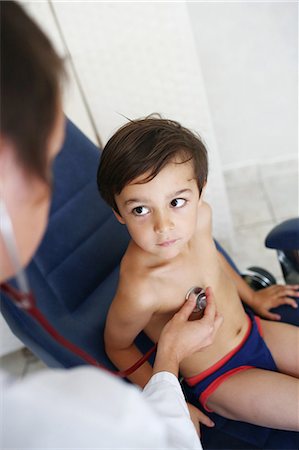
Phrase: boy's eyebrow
(145, 200)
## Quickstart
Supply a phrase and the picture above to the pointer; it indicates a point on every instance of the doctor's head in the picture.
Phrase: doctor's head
(32, 128)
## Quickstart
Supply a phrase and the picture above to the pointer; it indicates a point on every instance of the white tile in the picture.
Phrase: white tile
(240, 176)
(40, 12)
(74, 107)
(282, 192)
(249, 249)
(8, 341)
(279, 168)
(248, 205)
(73, 103)
(33, 367)
(260, 197)
(21, 363)
(14, 363)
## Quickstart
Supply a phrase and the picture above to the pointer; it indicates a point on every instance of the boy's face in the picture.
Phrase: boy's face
(161, 214)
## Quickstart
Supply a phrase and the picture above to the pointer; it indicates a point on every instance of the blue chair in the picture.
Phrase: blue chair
(284, 238)
(75, 270)
(74, 273)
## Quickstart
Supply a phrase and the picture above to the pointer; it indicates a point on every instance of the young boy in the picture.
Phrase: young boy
(153, 173)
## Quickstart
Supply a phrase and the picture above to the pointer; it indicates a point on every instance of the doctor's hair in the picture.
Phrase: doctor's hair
(146, 146)
(31, 75)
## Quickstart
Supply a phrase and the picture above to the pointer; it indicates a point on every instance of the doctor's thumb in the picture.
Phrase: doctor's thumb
(188, 307)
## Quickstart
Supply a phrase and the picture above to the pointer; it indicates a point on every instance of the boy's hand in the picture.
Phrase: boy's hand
(181, 338)
(197, 417)
(271, 297)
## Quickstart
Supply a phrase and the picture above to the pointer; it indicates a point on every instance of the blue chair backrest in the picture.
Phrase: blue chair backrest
(74, 273)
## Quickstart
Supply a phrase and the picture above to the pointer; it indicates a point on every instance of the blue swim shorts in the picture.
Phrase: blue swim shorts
(252, 352)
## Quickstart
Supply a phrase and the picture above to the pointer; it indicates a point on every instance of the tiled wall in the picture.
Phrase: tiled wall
(130, 59)
(249, 57)
(115, 65)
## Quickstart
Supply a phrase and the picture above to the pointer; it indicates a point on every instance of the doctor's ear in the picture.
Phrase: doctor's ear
(118, 216)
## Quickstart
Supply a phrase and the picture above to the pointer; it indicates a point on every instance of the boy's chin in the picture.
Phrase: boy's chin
(168, 253)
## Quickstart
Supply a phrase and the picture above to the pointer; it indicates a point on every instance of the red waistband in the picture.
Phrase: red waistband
(191, 381)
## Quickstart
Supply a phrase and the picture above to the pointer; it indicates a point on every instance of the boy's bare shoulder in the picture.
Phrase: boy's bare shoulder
(205, 217)
(130, 311)
(207, 209)
(134, 289)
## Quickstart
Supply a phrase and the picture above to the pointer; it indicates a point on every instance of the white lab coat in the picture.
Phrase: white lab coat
(87, 408)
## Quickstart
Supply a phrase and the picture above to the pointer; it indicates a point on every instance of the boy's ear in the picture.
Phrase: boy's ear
(202, 193)
(118, 216)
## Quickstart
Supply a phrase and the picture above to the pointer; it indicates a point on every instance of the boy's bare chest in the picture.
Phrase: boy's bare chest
(171, 287)
(170, 292)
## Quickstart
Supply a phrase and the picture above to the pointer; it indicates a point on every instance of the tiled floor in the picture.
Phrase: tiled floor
(260, 198)
(20, 363)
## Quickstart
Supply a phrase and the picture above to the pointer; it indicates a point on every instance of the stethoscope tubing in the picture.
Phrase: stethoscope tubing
(26, 302)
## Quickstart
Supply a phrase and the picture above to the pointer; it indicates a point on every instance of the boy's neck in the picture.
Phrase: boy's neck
(155, 262)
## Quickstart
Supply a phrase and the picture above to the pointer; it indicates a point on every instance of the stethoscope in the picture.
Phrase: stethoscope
(24, 299)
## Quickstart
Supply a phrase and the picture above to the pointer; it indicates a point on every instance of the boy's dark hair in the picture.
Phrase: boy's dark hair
(147, 145)
(30, 87)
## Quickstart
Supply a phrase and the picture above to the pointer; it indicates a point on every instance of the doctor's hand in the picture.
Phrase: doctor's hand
(181, 338)
(271, 297)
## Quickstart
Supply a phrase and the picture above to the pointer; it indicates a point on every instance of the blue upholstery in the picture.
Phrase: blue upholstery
(284, 236)
(75, 270)
(74, 273)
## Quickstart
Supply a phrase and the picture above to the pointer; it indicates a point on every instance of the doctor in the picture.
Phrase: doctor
(82, 407)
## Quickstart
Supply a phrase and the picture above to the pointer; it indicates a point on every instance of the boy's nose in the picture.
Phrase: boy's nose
(163, 223)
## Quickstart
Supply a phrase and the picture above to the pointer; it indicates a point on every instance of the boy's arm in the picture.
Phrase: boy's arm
(124, 322)
(265, 299)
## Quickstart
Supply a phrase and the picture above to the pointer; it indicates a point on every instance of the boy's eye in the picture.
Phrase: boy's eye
(178, 202)
(140, 211)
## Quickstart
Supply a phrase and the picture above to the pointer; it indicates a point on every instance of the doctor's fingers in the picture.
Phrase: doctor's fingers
(218, 320)
(187, 308)
(210, 311)
(206, 330)
(212, 320)
(189, 305)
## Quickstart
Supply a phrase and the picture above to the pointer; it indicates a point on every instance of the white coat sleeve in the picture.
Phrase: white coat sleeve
(86, 407)
(163, 392)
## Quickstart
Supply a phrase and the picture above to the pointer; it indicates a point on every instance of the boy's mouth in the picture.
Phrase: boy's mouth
(167, 243)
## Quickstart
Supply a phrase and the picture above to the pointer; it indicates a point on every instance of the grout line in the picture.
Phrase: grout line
(247, 226)
(77, 79)
(29, 358)
(241, 165)
(25, 369)
(265, 194)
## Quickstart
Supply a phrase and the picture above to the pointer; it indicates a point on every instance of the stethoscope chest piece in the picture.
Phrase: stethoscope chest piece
(201, 299)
